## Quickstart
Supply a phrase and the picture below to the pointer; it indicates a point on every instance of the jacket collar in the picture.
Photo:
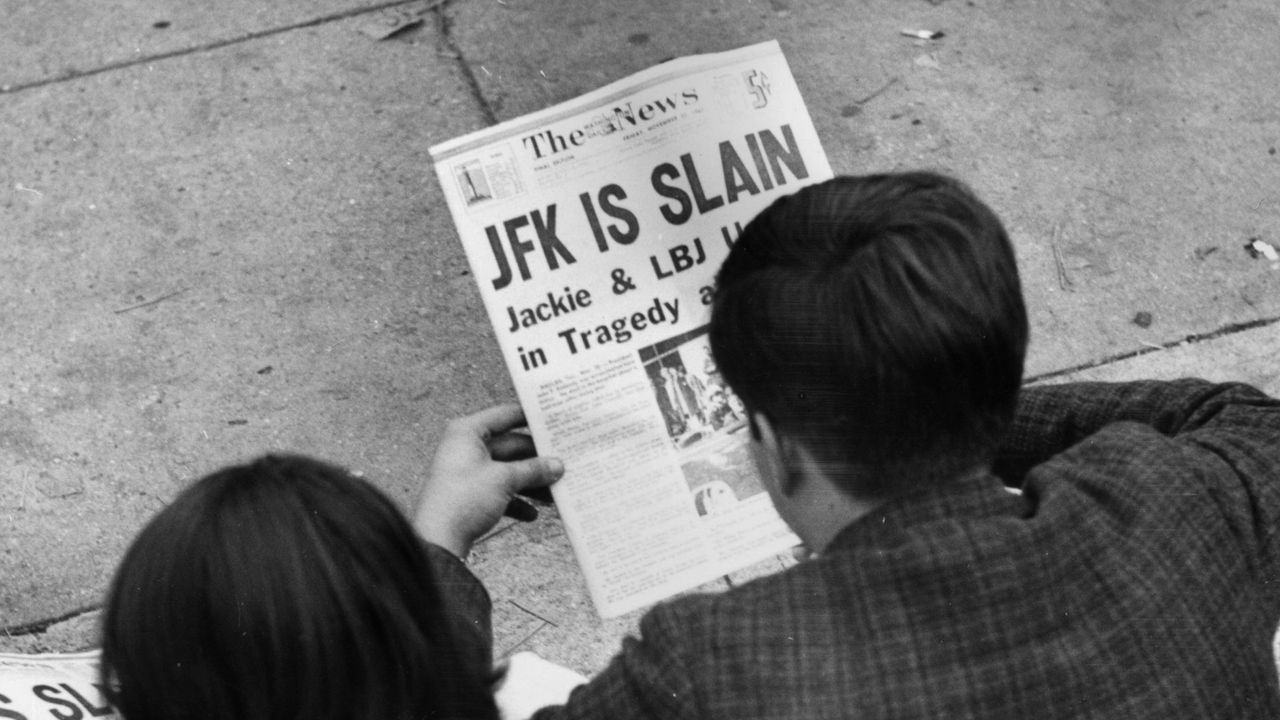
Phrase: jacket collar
(977, 496)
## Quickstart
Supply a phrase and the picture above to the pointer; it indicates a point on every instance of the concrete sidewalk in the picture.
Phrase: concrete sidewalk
(220, 232)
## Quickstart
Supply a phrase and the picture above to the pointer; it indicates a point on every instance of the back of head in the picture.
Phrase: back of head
(879, 320)
(285, 589)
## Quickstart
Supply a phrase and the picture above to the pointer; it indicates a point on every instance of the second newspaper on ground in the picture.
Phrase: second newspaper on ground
(594, 229)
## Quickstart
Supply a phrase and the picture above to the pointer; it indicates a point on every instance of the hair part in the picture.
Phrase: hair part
(284, 589)
(879, 320)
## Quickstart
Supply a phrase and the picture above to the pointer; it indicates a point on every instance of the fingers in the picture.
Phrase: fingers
(533, 473)
(491, 421)
(530, 476)
(802, 553)
(503, 429)
(480, 464)
(513, 445)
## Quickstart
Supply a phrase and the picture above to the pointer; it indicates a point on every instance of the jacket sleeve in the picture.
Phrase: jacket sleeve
(1053, 418)
(650, 679)
(1218, 441)
(465, 599)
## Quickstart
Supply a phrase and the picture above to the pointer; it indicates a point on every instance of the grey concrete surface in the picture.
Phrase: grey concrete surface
(53, 40)
(273, 201)
(1249, 357)
(222, 235)
(1127, 134)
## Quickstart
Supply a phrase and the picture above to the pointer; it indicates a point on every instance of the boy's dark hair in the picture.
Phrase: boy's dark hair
(878, 320)
(285, 589)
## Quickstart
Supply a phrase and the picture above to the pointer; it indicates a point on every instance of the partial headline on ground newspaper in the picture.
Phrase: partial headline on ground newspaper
(62, 686)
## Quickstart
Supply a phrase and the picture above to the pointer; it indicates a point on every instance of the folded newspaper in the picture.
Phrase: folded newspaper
(594, 229)
(65, 686)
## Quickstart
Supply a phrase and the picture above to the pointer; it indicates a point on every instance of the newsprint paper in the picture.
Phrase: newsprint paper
(594, 229)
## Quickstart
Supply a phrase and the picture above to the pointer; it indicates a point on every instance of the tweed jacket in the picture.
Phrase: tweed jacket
(1136, 575)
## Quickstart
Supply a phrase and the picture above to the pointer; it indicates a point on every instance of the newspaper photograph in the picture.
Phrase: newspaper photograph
(594, 230)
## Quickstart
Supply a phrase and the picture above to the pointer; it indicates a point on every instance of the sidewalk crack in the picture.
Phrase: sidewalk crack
(1230, 329)
(445, 26)
(39, 626)
(74, 74)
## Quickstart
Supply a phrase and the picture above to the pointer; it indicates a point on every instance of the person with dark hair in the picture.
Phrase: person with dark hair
(289, 588)
(881, 321)
(982, 550)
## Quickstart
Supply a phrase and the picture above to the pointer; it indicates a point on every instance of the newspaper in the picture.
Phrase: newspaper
(65, 686)
(594, 229)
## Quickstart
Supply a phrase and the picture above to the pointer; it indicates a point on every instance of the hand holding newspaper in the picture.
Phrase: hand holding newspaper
(594, 229)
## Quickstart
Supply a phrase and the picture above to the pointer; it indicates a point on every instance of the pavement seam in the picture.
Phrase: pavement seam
(1230, 329)
(445, 27)
(36, 627)
(204, 47)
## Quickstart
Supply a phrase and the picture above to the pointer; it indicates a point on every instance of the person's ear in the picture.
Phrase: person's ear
(776, 452)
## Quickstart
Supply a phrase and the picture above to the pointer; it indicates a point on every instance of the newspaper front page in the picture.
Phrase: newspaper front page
(594, 230)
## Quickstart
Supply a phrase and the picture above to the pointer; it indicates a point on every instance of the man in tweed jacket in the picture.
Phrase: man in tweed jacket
(1075, 551)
